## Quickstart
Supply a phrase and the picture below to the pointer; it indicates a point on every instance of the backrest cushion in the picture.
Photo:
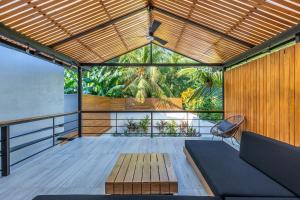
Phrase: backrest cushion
(278, 160)
(225, 126)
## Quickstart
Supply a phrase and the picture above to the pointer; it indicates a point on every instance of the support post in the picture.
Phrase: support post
(297, 37)
(223, 92)
(151, 124)
(151, 59)
(5, 151)
(79, 92)
(53, 131)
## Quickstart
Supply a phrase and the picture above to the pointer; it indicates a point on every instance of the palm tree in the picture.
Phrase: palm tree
(208, 84)
(103, 81)
(143, 82)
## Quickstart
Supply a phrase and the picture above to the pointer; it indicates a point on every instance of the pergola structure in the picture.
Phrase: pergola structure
(215, 33)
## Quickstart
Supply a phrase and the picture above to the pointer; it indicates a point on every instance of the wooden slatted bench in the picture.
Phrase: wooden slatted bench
(144, 173)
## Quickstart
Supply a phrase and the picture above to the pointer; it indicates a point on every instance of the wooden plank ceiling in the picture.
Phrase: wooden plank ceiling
(51, 21)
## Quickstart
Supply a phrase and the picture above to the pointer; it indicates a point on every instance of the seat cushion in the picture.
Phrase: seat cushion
(278, 160)
(225, 126)
(228, 175)
(125, 197)
(261, 198)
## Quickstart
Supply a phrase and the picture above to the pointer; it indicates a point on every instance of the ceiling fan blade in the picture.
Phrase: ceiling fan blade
(161, 41)
(154, 26)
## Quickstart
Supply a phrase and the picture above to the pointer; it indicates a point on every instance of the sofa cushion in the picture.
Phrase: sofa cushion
(228, 175)
(125, 197)
(262, 198)
(278, 160)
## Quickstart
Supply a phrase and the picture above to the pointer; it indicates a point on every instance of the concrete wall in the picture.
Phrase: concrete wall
(29, 87)
(71, 105)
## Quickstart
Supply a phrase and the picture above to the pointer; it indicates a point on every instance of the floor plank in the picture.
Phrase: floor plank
(83, 165)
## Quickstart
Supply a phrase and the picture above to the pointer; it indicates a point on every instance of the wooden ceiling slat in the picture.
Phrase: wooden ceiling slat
(251, 21)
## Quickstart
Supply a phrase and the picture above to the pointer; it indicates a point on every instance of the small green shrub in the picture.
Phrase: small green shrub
(161, 126)
(144, 124)
(171, 127)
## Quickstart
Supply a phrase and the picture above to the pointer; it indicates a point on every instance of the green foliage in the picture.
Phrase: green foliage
(161, 126)
(132, 127)
(171, 127)
(144, 124)
(200, 88)
(70, 86)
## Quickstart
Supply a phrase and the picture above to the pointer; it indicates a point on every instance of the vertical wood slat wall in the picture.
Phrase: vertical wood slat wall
(267, 92)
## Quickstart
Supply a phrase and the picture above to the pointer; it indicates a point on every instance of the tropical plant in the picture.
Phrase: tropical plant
(103, 81)
(171, 127)
(144, 124)
(206, 92)
(161, 126)
(70, 85)
(132, 127)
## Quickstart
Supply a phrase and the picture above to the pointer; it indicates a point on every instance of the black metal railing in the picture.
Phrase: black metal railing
(151, 123)
(12, 144)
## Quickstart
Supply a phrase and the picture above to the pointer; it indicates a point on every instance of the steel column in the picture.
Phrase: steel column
(79, 93)
(297, 37)
(223, 92)
(5, 151)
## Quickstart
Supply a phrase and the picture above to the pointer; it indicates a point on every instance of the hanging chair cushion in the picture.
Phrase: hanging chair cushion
(225, 126)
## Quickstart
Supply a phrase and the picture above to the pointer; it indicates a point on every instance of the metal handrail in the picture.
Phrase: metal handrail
(6, 150)
(32, 119)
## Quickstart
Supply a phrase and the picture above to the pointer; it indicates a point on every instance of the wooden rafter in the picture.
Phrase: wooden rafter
(184, 26)
(113, 24)
(33, 6)
(236, 25)
(97, 30)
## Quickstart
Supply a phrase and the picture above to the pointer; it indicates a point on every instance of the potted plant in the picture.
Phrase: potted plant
(132, 127)
(144, 124)
(183, 127)
(161, 126)
(171, 127)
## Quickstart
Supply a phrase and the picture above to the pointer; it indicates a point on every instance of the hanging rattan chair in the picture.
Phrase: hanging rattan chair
(227, 128)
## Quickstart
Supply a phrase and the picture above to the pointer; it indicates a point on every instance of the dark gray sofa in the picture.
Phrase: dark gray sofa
(126, 197)
(263, 167)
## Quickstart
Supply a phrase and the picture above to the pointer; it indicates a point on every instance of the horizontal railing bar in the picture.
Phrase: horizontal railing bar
(112, 126)
(148, 134)
(27, 144)
(31, 156)
(154, 119)
(40, 130)
(66, 132)
(153, 111)
(32, 119)
(32, 132)
(61, 125)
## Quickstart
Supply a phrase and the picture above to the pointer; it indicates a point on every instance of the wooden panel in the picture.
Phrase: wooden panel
(99, 123)
(267, 92)
(149, 173)
(49, 22)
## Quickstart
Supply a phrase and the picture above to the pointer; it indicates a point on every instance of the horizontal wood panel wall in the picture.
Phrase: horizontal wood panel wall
(267, 92)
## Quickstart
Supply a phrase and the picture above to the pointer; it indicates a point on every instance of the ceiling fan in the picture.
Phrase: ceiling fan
(153, 27)
(151, 33)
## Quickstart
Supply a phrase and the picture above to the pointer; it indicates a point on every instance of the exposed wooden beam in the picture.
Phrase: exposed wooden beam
(152, 64)
(275, 41)
(114, 26)
(98, 27)
(58, 25)
(201, 26)
(22, 39)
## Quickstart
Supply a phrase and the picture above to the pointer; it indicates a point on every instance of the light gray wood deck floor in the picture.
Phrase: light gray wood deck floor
(82, 165)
